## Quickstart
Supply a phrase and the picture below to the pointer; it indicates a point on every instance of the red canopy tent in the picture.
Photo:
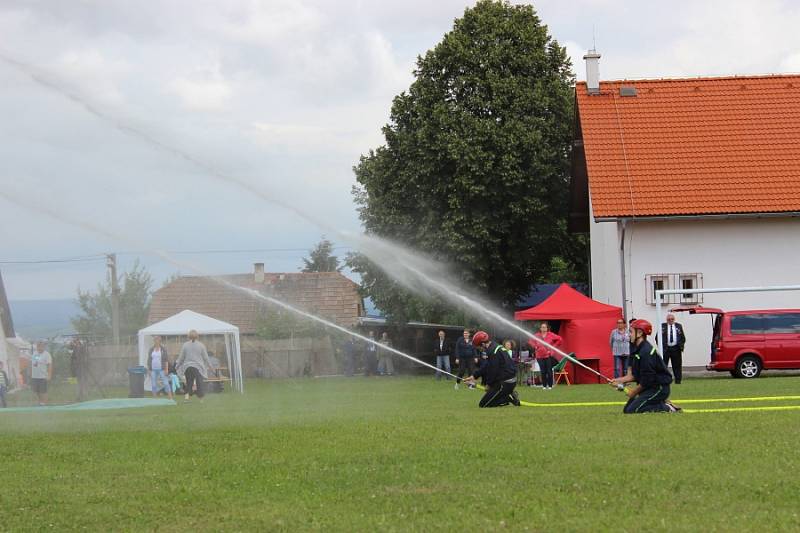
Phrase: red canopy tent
(586, 327)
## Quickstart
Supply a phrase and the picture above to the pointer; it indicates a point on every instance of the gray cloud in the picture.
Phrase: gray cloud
(283, 94)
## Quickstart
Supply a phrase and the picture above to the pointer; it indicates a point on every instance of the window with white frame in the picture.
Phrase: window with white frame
(673, 281)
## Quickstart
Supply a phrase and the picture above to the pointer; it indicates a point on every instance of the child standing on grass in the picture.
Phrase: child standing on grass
(4, 383)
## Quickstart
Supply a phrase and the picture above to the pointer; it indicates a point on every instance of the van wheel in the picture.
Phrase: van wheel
(748, 367)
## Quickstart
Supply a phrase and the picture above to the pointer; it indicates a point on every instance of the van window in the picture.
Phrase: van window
(747, 324)
(782, 323)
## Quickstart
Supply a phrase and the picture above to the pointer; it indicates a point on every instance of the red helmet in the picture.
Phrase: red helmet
(479, 338)
(643, 325)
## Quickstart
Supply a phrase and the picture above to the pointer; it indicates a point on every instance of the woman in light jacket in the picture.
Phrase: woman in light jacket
(543, 353)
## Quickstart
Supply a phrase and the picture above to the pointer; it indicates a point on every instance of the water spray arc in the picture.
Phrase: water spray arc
(187, 266)
(390, 257)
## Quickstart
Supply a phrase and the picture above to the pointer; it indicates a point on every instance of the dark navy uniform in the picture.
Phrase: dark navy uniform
(500, 375)
(652, 375)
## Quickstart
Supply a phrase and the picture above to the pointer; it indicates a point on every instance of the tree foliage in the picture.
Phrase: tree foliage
(321, 258)
(475, 166)
(275, 323)
(134, 305)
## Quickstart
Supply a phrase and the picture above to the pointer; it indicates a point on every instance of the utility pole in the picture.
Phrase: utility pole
(111, 261)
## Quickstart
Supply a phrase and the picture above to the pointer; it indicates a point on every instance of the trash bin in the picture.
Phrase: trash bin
(136, 381)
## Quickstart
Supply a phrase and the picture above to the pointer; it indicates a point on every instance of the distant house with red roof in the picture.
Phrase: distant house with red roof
(330, 295)
(688, 183)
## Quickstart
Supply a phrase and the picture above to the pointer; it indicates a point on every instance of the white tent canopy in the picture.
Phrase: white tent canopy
(184, 321)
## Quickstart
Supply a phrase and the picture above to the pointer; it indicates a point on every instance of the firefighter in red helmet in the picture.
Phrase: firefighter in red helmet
(651, 393)
(499, 373)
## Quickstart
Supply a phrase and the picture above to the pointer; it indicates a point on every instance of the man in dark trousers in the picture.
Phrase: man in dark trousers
(349, 356)
(370, 356)
(499, 372)
(442, 351)
(466, 357)
(648, 370)
(674, 339)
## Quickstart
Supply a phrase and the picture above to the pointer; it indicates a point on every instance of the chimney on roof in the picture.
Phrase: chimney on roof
(258, 269)
(592, 59)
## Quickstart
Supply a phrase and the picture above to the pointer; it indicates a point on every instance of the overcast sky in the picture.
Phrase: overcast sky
(284, 95)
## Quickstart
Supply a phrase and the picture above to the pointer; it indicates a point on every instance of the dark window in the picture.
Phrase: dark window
(687, 283)
(658, 285)
(782, 323)
(747, 324)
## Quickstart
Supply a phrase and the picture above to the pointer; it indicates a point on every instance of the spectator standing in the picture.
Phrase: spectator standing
(620, 341)
(466, 357)
(370, 356)
(80, 367)
(442, 352)
(385, 362)
(349, 352)
(4, 384)
(41, 372)
(158, 365)
(193, 363)
(544, 353)
(674, 340)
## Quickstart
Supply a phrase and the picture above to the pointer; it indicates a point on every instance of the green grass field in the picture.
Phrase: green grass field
(400, 454)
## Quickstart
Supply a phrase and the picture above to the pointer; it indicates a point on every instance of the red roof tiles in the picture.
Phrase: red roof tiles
(327, 294)
(693, 146)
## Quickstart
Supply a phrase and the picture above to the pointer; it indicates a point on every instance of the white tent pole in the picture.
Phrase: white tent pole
(228, 357)
(658, 324)
(238, 352)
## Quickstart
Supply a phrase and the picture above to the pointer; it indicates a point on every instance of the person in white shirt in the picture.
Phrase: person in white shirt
(158, 364)
(41, 371)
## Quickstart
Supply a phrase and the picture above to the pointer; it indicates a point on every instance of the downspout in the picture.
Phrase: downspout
(624, 223)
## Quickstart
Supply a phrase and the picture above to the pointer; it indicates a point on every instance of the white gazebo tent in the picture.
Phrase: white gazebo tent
(184, 321)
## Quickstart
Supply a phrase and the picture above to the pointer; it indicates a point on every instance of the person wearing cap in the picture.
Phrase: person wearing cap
(647, 369)
(499, 373)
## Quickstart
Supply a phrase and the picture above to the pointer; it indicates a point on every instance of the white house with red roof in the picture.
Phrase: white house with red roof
(689, 183)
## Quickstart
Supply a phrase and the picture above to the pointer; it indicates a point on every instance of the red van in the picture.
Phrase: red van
(747, 342)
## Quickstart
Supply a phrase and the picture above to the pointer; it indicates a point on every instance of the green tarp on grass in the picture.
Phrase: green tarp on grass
(113, 403)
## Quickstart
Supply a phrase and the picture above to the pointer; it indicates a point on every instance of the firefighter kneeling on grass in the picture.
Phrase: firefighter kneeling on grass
(499, 373)
(651, 393)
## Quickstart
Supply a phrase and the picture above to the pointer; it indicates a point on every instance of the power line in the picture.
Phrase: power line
(241, 251)
(86, 259)
(102, 257)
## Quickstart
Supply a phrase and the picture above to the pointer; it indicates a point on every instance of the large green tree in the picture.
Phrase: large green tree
(134, 305)
(475, 166)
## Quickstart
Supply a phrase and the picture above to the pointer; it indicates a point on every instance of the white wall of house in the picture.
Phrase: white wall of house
(727, 253)
(3, 352)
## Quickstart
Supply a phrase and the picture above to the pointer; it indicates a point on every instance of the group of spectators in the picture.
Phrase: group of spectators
(376, 354)
(187, 373)
(468, 358)
(193, 364)
(622, 346)
(38, 375)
